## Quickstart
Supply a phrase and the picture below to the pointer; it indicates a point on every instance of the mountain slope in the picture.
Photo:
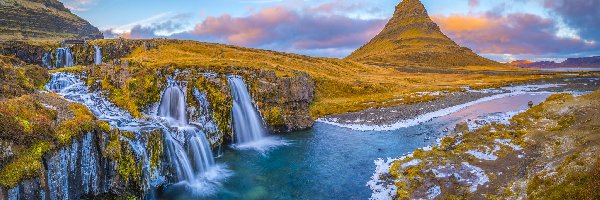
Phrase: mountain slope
(411, 38)
(42, 19)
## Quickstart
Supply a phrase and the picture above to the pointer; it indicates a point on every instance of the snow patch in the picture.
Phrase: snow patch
(382, 188)
(508, 142)
(411, 163)
(434, 192)
(484, 155)
(479, 179)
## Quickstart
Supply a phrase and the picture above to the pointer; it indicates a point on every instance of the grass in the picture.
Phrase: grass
(18, 78)
(341, 85)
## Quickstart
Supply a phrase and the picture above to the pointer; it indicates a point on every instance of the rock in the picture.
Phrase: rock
(284, 101)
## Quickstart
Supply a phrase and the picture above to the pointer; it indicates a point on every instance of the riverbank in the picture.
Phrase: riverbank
(390, 118)
(549, 151)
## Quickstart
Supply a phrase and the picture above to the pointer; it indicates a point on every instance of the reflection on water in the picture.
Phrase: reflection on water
(330, 162)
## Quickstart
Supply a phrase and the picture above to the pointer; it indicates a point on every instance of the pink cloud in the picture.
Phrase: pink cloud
(516, 33)
(283, 27)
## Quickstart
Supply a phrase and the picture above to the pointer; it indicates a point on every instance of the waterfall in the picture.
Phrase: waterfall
(46, 60)
(197, 157)
(247, 124)
(249, 131)
(187, 150)
(172, 106)
(97, 55)
(64, 58)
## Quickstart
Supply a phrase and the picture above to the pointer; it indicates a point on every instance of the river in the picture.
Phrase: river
(331, 162)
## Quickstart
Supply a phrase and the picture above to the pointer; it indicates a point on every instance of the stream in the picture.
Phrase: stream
(331, 162)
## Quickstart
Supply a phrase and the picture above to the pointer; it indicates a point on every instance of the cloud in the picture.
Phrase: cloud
(516, 33)
(308, 30)
(580, 15)
(473, 3)
(159, 26)
(321, 30)
(78, 5)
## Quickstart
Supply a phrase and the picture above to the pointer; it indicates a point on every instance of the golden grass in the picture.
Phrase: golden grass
(342, 85)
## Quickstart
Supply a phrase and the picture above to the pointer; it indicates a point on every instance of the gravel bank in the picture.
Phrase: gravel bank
(390, 115)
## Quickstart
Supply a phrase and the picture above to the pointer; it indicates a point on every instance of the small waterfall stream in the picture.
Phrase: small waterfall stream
(47, 60)
(248, 127)
(172, 106)
(64, 58)
(97, 55)
(247, 124)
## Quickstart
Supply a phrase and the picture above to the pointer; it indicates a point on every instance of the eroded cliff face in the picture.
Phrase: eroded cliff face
(283, 101)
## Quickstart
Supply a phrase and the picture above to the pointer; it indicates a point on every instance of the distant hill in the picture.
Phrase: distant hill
(42, 20)
(586, 62)
(411, 38)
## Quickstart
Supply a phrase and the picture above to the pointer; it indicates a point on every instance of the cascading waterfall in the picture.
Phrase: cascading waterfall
(187, 150)
(64, 58)
(190, 153)
(97, 55)
(248, 127)
(247, 124)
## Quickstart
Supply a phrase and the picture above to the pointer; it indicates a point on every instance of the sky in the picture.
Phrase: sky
(502, 30)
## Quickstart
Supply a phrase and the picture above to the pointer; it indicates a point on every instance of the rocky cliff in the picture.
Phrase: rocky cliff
(42, 20)
(411, 38)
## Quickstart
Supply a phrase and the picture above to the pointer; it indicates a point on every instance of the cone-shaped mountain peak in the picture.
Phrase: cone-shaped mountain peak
(411, 38)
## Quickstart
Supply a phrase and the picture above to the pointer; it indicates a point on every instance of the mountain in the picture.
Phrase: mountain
(42, 20)
(411, 38)
(585, 62)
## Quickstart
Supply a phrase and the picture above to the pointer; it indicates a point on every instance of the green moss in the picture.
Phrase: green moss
(579, 184)
(273, 116)
(129, 169)
(220, 102)
(105, 127)
(18, 78)
(83, 122)
(563, 123)
(155, 148)
(25, 166)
